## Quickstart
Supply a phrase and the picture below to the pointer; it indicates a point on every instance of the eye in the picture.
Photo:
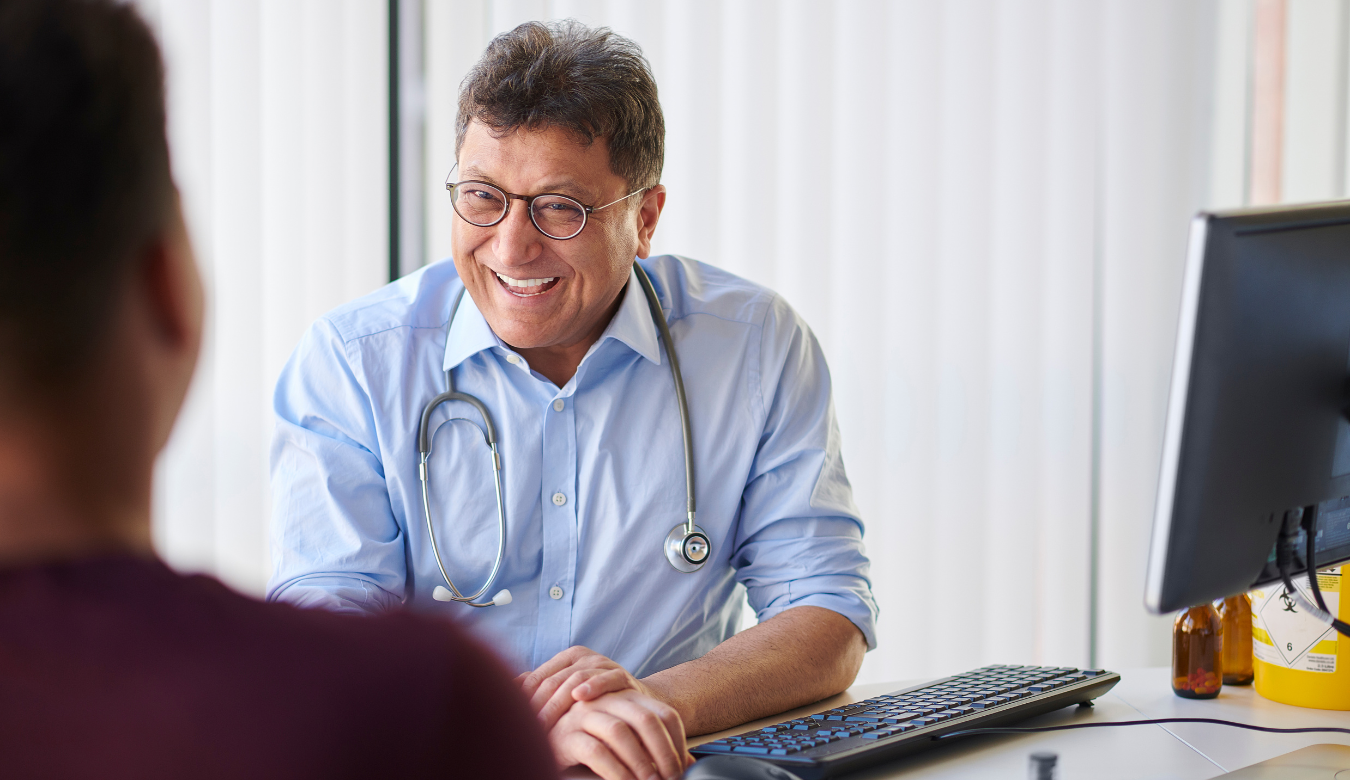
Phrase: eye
(481, 193)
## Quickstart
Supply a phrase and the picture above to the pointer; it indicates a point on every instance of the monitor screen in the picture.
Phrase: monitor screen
(1257, 427)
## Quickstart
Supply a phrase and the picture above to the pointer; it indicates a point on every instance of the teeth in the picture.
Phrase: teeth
(524, 282)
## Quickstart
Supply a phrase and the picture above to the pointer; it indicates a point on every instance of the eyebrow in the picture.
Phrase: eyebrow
(568, 187)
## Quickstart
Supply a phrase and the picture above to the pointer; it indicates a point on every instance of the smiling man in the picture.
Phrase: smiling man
(539, 338)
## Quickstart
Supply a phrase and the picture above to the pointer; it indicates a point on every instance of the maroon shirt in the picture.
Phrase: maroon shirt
(118, 667)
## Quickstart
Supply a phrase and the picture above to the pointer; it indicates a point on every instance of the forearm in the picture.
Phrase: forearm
(801, 655)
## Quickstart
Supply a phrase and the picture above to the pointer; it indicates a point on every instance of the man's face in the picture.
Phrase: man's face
(583, 276)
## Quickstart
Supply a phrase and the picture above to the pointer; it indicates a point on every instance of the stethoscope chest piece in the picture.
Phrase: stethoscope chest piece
(687, 550)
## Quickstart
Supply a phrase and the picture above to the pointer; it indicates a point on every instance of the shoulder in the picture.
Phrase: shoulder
(688, 287)
(419, 300)
(347, 637)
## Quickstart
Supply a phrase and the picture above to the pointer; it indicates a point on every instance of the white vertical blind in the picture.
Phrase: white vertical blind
(278, 130)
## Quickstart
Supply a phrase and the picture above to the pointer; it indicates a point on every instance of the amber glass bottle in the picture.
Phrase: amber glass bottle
(1197, 653)
(1236, 615)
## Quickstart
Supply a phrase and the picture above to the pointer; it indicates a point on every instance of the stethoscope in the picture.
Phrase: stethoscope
(687, 547)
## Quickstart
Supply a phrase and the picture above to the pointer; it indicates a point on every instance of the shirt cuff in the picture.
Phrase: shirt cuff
(847, 595)
(350, 595)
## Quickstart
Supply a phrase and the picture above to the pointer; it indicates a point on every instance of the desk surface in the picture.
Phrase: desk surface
(1175, 751)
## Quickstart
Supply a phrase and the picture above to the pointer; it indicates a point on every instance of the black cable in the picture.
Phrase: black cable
(1152, 722)
(1284, 560)
(1310, 531)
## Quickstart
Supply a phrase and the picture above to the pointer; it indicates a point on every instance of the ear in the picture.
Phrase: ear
(648, 214)
(171, 299)
(173, 288)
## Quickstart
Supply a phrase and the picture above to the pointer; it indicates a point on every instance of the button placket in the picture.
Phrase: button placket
(560, 533)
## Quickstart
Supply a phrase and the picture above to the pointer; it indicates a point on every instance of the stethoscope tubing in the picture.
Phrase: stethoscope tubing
(659, 317)
(424, 451)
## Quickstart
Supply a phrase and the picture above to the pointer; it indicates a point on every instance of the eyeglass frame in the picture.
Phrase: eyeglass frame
(586, 211)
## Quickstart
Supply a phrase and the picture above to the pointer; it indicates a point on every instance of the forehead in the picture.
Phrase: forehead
(527, 161)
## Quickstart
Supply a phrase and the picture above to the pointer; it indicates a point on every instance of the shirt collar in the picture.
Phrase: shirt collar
(469, 334)
(632, 324)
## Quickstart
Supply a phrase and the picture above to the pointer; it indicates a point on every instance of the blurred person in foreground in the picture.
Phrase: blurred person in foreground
(111, 665)
(623, 651)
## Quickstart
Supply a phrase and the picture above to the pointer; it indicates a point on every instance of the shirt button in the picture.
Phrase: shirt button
(558, 405)
(555, 592)
(513, 359)
(559, 499)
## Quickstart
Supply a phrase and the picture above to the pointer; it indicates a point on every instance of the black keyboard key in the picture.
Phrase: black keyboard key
(752, 749)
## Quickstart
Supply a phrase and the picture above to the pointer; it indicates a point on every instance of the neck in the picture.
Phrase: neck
(54, 507)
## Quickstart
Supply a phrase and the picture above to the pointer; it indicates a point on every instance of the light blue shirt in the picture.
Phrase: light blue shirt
(593, 472)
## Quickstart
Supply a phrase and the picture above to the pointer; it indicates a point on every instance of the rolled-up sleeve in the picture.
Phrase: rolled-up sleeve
(335, 542)
(799, 540)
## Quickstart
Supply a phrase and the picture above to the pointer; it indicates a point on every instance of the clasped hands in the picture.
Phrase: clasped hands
(597, 714)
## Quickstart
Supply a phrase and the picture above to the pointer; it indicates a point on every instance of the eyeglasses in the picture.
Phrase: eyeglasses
(556, 216)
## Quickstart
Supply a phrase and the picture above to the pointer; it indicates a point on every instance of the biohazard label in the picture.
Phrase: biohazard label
(1283, 635)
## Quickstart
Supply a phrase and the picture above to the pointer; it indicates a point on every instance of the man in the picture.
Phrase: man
(557, 190)
(111, 665)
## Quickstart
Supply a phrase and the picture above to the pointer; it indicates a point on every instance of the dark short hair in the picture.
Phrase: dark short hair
(590, 82)
(84, 176)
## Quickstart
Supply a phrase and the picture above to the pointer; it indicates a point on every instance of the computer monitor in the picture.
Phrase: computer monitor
(1257, 431)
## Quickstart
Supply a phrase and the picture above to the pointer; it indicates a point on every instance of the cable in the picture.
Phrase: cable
(1152, 722)
(1284, 560)
(1310, 531)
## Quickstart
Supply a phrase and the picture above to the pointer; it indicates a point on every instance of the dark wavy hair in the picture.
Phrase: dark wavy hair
(591, 82)
(84, 177)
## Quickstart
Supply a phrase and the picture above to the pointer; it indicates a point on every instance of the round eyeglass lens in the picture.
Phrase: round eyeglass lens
(478, 203)
(557, 216)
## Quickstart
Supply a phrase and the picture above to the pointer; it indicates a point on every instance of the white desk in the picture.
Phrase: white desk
(1176, 751)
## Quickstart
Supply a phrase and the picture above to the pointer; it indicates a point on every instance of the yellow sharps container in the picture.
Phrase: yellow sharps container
(1298, 659)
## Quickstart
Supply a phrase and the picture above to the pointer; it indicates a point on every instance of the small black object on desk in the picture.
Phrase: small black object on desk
(1043, 766)
(736, 768)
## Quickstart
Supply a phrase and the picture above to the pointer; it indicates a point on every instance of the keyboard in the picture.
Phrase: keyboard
(883, 728)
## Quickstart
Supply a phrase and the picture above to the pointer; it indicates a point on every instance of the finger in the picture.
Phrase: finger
(565, 659)
(582, 748)
(621, 740)
(675, 728)
(564, 697)
(547, 688)
(603, 682)
(644, 717)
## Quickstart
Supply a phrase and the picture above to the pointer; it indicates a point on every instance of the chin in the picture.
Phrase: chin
(521, 335)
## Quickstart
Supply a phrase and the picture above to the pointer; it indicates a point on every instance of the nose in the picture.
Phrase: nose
(517, 241)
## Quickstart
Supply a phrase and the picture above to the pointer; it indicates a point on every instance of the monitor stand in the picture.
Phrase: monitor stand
(1315, 762)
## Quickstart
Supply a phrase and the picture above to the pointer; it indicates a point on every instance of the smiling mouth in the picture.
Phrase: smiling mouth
(527, 288)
